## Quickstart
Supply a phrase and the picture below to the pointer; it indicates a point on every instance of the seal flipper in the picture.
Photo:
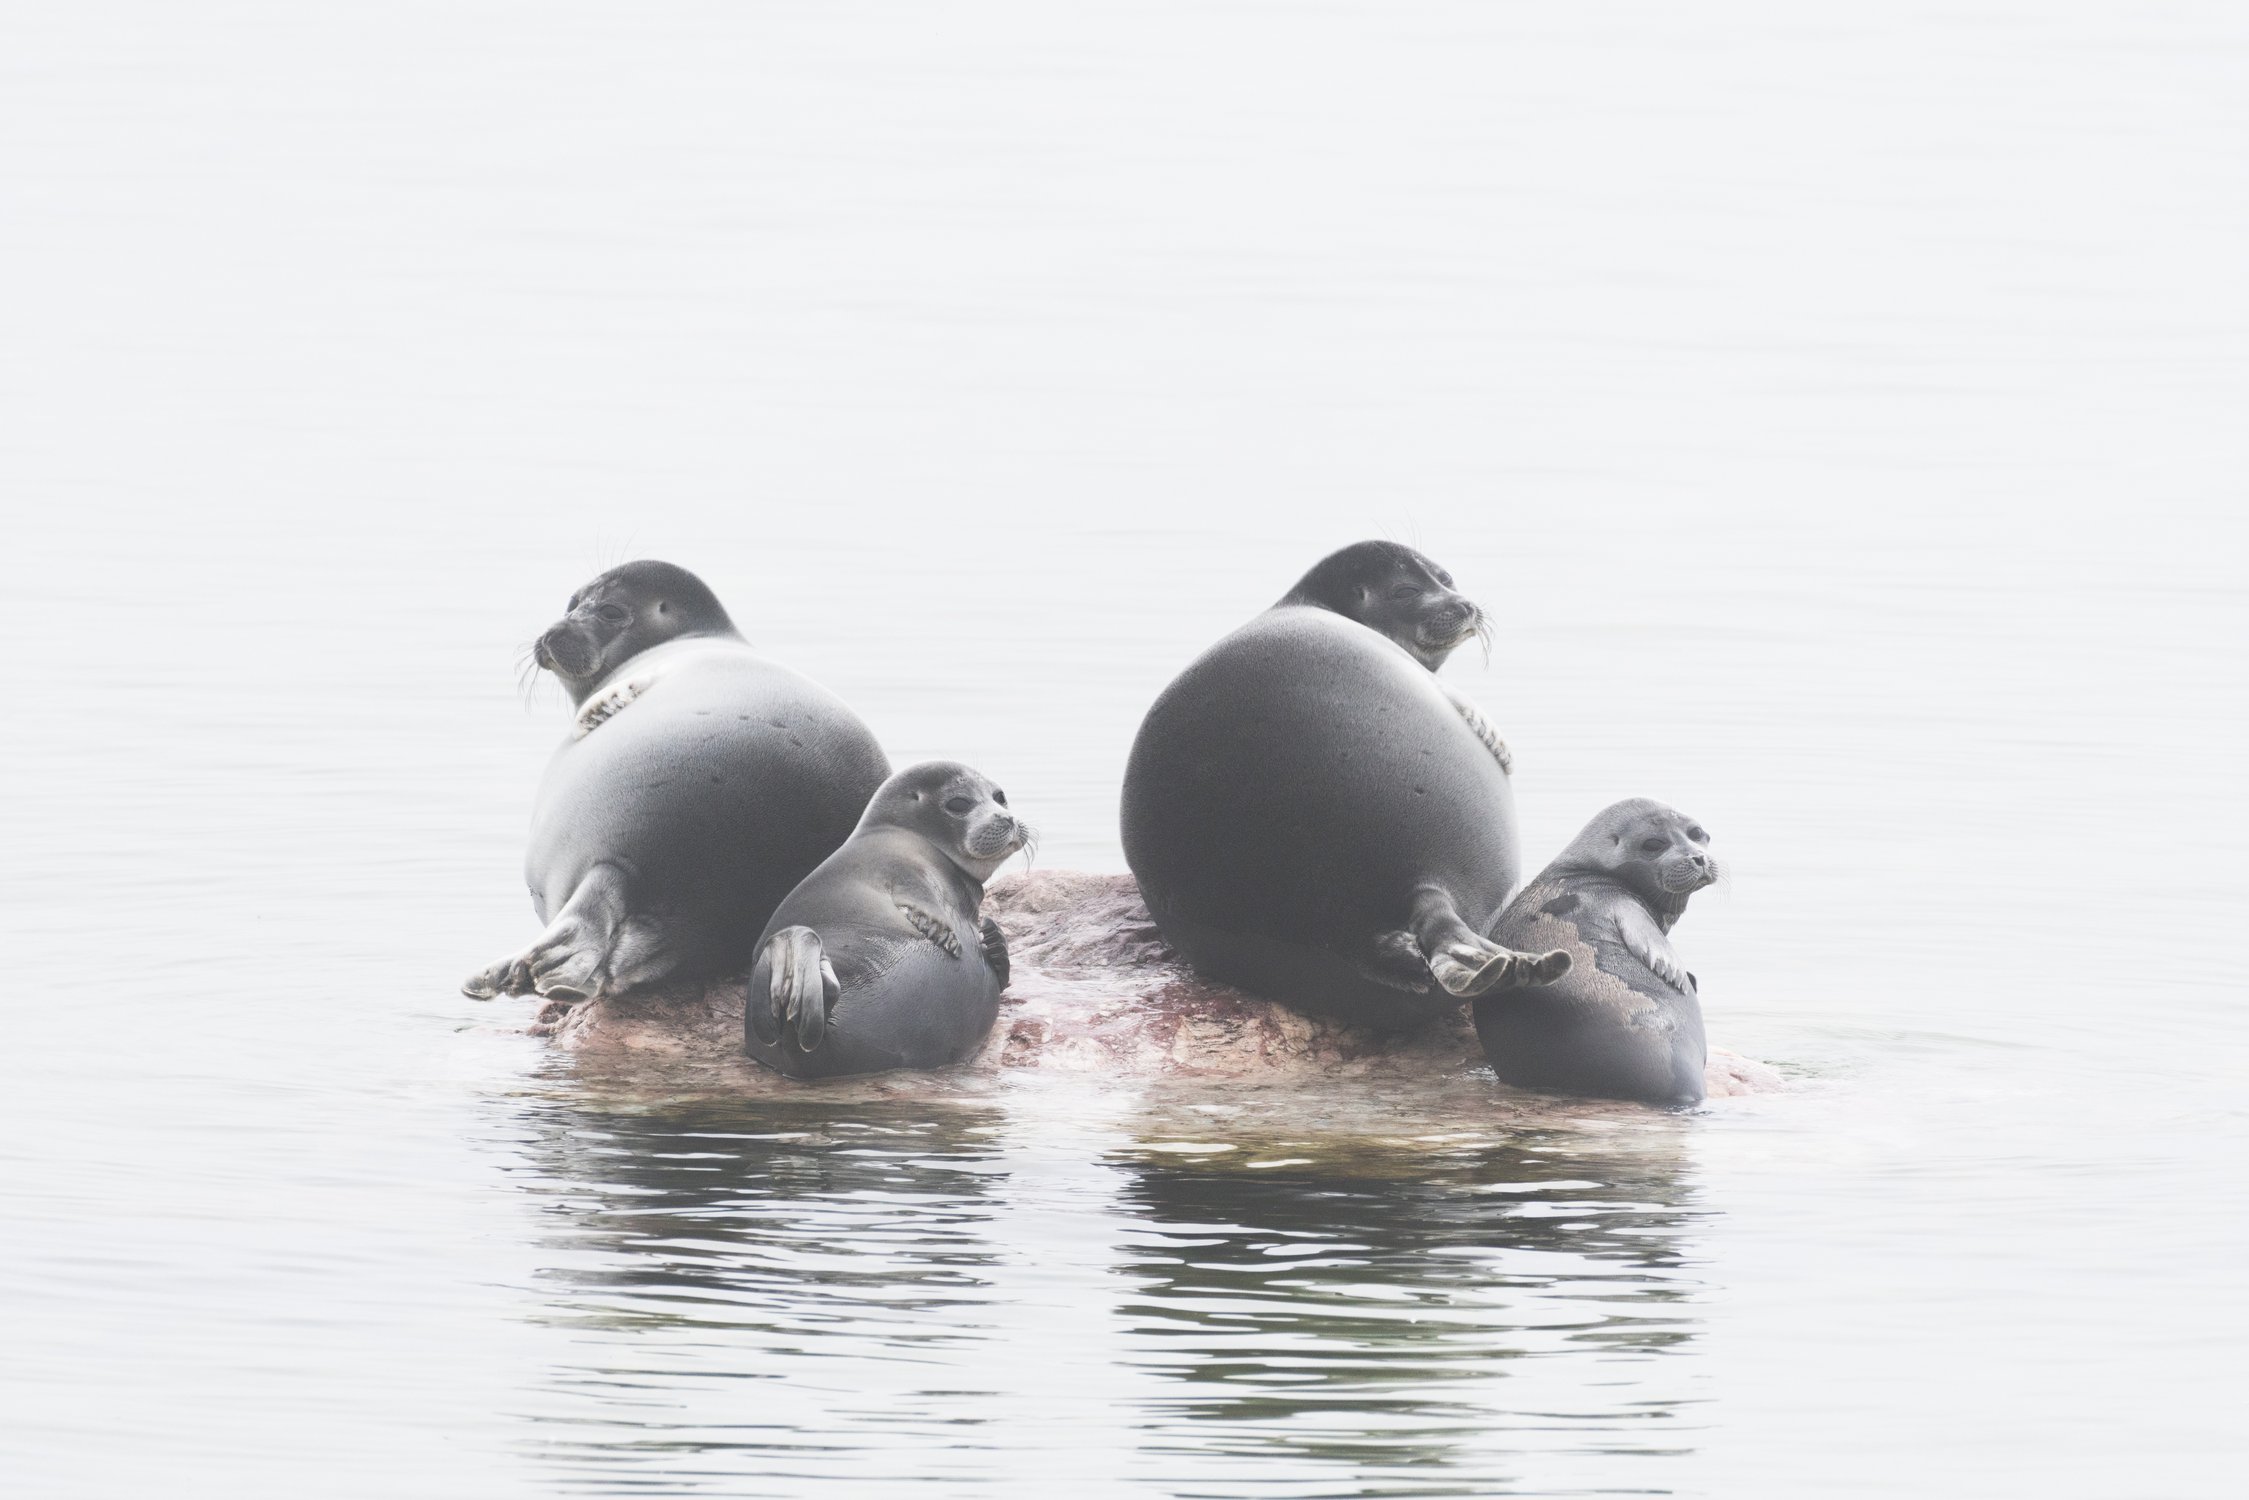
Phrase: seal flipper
(1394, 959)
(570, 960)
(1645, 941)
(800, 989)
(1474, 718)
(1467, 963)
(995, 950)
(936, 929)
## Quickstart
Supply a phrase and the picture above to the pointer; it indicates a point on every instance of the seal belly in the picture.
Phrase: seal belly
(902, 1002)
(927, 1009)
(1288, 794)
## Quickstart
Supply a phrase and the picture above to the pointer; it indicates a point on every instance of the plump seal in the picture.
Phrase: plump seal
(1313, 815)
(1625, 1022)
(880, 959)
(699, 782)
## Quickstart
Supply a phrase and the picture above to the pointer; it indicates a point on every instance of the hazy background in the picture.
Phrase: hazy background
(1841, 409)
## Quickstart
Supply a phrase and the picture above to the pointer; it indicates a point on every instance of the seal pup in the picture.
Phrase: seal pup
(1625, 1022)
(698, 783)
(1312, 815)
(880, 958)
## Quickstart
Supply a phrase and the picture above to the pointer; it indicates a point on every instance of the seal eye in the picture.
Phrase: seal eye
(613, 614)
(1654, 846)
(1405, 591)
(1698, 835)
(999, 796)
(959, 807)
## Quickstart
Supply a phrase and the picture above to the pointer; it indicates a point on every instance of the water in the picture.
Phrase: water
(1840, 413)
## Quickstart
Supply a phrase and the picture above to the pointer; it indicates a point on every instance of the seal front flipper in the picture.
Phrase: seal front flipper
(1474, 718)
(1467, 963)
(1646, 942)
(800, 989)
(571, 959)
(995, 950)
(936, 929)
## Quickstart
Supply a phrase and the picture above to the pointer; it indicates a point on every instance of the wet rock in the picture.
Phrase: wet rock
(1094, 991)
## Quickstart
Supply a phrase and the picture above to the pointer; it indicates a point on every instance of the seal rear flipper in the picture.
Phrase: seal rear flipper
(1468, 964)
(995, 950)
(638, 958)
(1394, 959)
(799, 991)
(570, 960)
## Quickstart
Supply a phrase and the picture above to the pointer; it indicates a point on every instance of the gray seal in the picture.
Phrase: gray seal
(1312, 815)
(881, 958)
(698, 784)
(1626, 1021)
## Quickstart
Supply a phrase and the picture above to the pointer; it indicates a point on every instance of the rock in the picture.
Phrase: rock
(1094, 991)
(1729, 1075)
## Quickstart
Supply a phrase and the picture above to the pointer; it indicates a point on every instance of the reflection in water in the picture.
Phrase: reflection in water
(753, 1295)
(1369, 1313)
(709, 1261)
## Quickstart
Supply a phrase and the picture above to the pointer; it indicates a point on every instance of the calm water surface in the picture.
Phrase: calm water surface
(1842, 414)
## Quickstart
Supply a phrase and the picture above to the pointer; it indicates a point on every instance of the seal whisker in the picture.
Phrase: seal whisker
(527, 674)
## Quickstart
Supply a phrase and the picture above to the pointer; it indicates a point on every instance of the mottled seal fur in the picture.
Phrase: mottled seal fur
(1625, 1022)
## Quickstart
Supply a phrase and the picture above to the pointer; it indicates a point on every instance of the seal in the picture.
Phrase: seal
(1626, 1021)
(1312, 815)
(698, 783)
(880, 959)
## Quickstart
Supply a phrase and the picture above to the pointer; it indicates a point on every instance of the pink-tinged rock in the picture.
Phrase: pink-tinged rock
(1095, 991)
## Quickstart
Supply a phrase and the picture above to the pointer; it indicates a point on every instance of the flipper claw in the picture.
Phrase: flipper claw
(936, 929)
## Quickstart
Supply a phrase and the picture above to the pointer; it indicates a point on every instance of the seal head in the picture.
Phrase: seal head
(1395, 592)
(1660, 855)
(957, 810)
(622, 613)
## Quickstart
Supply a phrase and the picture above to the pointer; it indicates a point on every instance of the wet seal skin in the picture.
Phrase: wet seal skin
(1626, 1021)
(882, 959)
(1313, 816)
(698, 783)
